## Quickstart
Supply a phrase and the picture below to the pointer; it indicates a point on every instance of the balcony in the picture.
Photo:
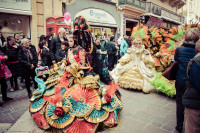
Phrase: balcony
(164, 13)
(141, 4)
(178, 3)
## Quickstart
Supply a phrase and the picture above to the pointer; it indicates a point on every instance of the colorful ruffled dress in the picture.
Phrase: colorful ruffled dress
(136, 70)
(74, 100)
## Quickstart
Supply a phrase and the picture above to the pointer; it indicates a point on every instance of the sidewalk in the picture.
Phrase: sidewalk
(12, 110)
(142, 113)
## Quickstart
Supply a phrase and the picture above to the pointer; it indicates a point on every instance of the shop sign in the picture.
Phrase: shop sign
(97, 16)
(154, 22)
(24, 5)
(51, 22)
(171, 15)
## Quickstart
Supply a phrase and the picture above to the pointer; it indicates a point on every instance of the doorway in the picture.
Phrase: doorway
(129, 26)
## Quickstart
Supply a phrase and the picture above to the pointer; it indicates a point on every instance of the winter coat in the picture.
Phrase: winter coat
(13, 61)
(54, 46)
(191, 97)
(123, 47)
(46, 59)
(185, 53)
(61, 54)
(25, 62)
(111, 48)
(128, 42)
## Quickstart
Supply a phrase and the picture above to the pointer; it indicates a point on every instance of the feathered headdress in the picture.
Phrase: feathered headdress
(140, 32)
(82, 34)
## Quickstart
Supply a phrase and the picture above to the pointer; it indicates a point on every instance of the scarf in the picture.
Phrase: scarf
(28, 54)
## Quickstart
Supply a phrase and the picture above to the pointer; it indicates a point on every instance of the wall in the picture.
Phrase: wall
(41, 10)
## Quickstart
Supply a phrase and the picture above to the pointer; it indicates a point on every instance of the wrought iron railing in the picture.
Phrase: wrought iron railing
(163, 12)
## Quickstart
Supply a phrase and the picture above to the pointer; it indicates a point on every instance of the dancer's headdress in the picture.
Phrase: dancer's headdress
(82, 34)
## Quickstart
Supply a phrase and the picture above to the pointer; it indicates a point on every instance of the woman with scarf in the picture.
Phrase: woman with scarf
(29, 59)
(13, 62)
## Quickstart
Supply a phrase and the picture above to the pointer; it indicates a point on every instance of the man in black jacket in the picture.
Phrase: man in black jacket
(55, 44)
(111, 51)
(29, 59)
(191, 97)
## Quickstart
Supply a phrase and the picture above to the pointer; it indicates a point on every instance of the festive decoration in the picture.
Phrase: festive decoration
(67, 16)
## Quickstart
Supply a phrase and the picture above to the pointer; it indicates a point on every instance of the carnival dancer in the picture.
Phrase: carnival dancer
(76, 100)
(136, 69)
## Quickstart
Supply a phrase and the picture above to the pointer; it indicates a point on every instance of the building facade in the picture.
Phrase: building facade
(28, 17)
(157, 13)
(190, 11)
(101, 15)
(164, 13)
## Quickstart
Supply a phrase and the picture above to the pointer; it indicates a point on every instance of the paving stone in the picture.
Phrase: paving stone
(4, 127)
(16, 114)
(158, 119)
(167, 128)
(6, 119)
(153, 129)
(7, 111)
(156, 124)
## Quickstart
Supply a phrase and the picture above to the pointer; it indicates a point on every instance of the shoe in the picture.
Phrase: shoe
(29, 95)
(179, 128)
(19, 88)
(7, 99)
(12, 89)
(1, 104)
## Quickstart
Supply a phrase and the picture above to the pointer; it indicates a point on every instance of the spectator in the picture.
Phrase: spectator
(2, 40)
(46, 59)
(117, 52)
(191, 97)
(13, 62)
(3, 43)
(17, 38)
(40, 45)
(49, 38)
(111, 51)
(55, 44)
(127, 41)
(103, 49)
(123, 47)
(62, 53)
(31, 45)
(185, 53)
(3, 83)
(29, 59)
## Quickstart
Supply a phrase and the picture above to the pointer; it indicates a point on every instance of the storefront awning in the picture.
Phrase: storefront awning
(163, 17)
(15, 11)
(171, 20)
(102, 24)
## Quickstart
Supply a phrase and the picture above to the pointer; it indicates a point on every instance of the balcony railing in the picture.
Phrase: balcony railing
(163, 12)
(136, 3)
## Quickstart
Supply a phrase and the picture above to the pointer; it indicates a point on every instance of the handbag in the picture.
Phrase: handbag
(170, 72)
(7, 73)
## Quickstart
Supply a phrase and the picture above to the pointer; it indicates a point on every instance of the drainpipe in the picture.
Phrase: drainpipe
(122, 23)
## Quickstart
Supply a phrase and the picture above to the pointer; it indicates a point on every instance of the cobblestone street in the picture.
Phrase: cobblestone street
(142, 113)
(12, 110)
